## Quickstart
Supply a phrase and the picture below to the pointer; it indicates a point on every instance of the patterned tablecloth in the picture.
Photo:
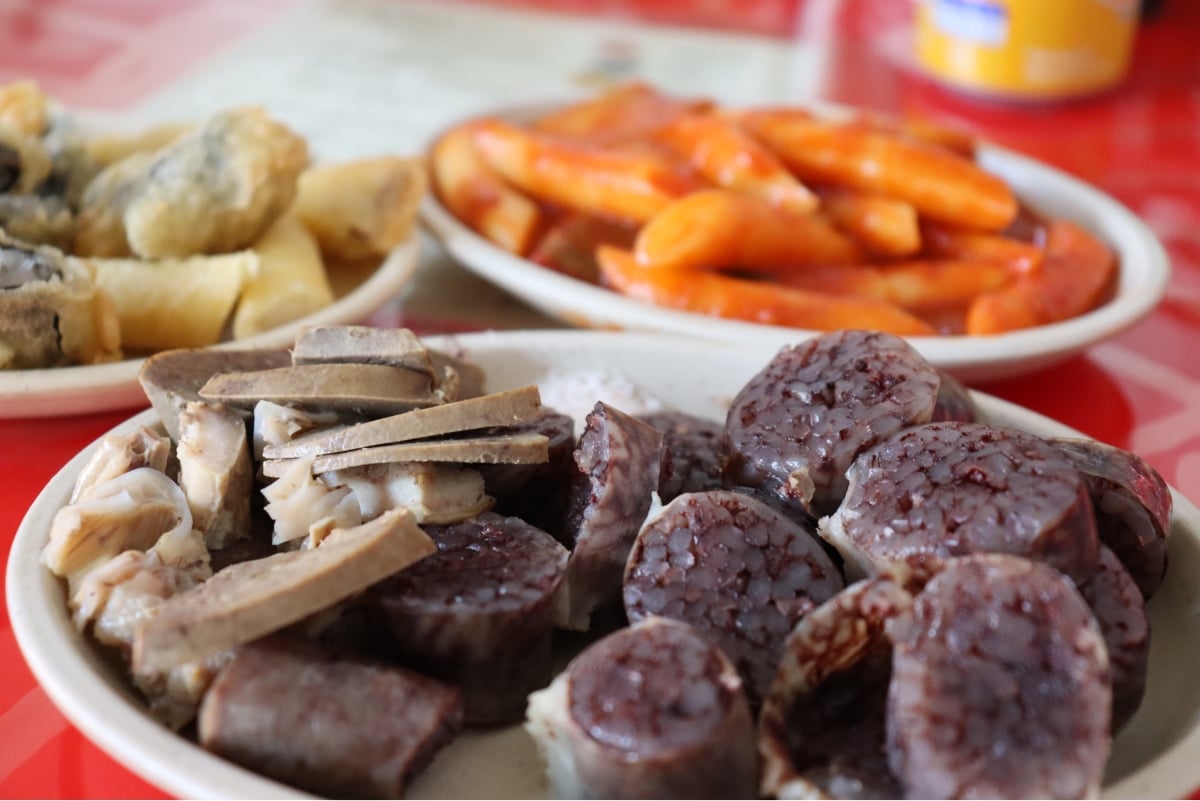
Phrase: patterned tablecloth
(371, 76)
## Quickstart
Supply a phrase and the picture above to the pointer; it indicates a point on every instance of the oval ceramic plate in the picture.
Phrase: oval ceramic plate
(1155, 756)
(86, 389)
(1143, 278)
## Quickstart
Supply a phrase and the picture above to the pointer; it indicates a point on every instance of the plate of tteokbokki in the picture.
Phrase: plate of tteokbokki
(223, 231)
(638, 209)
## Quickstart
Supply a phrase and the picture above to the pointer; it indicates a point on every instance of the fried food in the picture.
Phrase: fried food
(25, 108)
(71, 165)
(24, 162)
(155, 236)
(174, 303)
(52, 312)
(37, 218)
(214, 190)
(361, 209)
(106, 149)
(289, 283)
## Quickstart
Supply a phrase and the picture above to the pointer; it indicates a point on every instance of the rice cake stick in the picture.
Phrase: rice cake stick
(522, 448)
(251, 599)
(498, 409)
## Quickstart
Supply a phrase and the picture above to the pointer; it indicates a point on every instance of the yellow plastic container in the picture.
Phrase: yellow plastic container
(1026, 49)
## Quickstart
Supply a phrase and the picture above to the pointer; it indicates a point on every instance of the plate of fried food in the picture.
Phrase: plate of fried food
(271, 587)
(221, 232)
(637, 210)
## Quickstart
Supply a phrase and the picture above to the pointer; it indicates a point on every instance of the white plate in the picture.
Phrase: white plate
(1143, 278)
(57, 391)
(1155, 756)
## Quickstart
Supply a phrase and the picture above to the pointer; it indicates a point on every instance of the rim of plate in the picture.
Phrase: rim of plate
(1144, 273)
(56, 391)
(108, 713)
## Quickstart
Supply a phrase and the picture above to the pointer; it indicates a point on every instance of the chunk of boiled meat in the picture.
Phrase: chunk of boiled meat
(796, 426)
(287, 709)
(652, 710)
(933, 492)
(479, 613)
(736, 569)
(1000, 685)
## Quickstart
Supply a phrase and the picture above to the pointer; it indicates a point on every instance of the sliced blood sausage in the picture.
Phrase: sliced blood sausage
(652, 710)
(537, 493)
(692, 451)
(617, 461)
(797, 425)
(287, 709)
(940, 490)
(822, 729)
(479, 613)
(1133, 507)
(738, 570)
(1119, 610)
(954, 401)
(1000, 686)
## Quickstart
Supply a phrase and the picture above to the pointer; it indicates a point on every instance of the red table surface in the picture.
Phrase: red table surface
(1141, 390)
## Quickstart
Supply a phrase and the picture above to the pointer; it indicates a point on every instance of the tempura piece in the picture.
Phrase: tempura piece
(361, 209)
(215, 190)
(289, 283)
(24, 107)
(72, 167)
(51, 311)
(106, 149)
(37, 218)
(24, 162)
(174, 303)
